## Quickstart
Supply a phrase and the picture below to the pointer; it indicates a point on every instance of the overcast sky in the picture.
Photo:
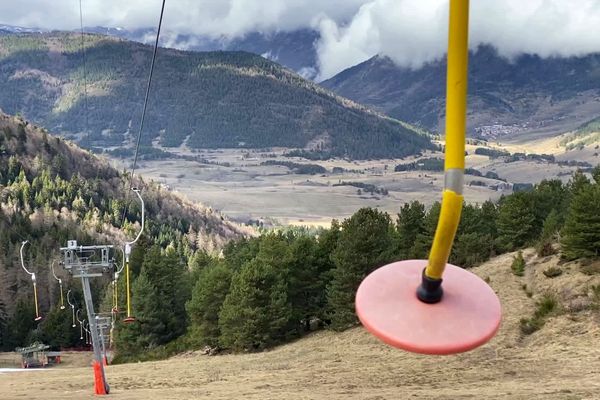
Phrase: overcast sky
(411, 32)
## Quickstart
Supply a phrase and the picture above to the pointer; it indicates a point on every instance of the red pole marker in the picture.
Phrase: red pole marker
(98, 381)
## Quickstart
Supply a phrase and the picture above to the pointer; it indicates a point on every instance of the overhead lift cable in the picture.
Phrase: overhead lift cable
(85, 96)
(83, 265)
(144, 108)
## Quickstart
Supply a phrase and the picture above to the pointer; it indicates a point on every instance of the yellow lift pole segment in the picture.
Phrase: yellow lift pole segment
(456, 110)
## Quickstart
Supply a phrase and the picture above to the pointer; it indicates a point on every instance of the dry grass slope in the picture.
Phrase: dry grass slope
(560, 361)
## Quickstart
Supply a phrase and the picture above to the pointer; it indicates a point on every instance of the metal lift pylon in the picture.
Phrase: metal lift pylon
(104, 323)
(84, 262)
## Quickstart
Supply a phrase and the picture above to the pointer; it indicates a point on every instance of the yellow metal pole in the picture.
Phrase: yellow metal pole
(116, 295)
(62, 298)
(128, 295)
(35, 299)
(456, 109)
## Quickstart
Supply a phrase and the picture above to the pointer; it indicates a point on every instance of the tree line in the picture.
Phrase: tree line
(268, 290)
(263, 291)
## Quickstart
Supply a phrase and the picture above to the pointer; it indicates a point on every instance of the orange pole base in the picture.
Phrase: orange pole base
(98, 382)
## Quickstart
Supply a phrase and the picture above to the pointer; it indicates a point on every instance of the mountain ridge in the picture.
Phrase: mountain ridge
(506, 97)
(212, 99)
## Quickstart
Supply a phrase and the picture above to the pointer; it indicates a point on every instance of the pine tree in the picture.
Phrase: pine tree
(274, 249)
(578, 182)
(581, 233)
(158, 298)
(518, 264)
(424, 240)
(516, 221)
(14, 166)
(306, 281)
(471, 249)
(237, 253)
(207, 299)
(197, 263)
(19, 326)
(166, 275)
(256, 312)
(57, 331)
(138, 253)
(488, 217)
(328, 240)
(549, 195)
(149, 329)
(550, 229)
(410, 224)
(177, 290)
(365, 244)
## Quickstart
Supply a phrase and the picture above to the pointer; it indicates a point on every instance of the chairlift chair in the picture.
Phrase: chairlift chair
(80, 325)
(72, 307)
(38, 317)
(62, 301)
(127, 252)
(425, 318)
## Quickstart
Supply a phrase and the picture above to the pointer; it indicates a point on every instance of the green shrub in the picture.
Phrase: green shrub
(518, 264)
(546, 306)
(553, 272)
(530, 325)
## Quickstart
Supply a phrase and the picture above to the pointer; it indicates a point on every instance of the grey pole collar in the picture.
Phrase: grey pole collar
(454, 180)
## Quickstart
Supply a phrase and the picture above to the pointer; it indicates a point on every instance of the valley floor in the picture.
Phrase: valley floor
(561, 361)
(237, 183)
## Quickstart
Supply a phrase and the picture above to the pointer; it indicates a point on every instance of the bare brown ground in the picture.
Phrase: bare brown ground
(561, 361)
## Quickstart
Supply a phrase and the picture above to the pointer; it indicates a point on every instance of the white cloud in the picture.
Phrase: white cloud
(207, 17)
(414, 32)
(410, 32)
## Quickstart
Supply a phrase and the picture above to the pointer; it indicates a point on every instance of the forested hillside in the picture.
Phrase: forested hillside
(586, 134)
(52, 191)
(205, 100)
(259, 291)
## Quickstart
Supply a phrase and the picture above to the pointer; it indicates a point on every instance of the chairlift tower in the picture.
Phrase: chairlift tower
(87, 262)
(104, 324)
